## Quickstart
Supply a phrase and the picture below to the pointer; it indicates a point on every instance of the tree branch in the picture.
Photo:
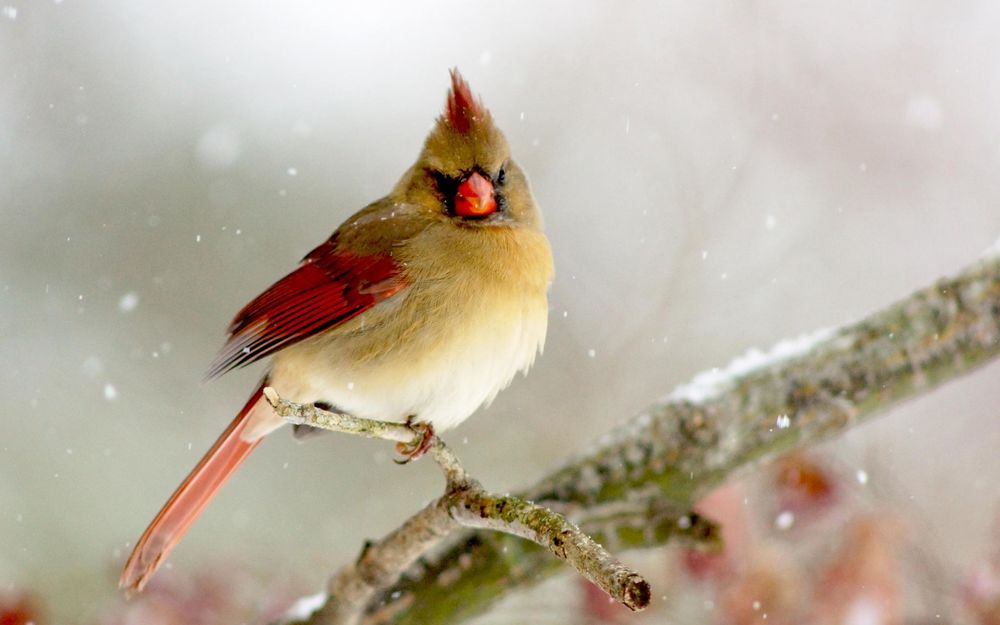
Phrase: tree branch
(307, 414)
(721, 424)
(464, 504)
(517, 517)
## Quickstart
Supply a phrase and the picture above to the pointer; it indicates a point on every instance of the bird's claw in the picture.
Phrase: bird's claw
(418, 446)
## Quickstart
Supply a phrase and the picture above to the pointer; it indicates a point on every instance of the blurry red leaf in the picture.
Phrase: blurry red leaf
(18, 609)
(863, 582)
(804, 484)
(726, 506)
(766, 592)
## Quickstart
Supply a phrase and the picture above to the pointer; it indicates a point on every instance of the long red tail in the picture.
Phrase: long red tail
(187, 502)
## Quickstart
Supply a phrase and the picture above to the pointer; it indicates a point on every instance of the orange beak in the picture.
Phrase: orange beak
(475, 196)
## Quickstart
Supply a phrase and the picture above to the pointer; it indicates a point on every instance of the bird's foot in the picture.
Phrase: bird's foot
(418, 446)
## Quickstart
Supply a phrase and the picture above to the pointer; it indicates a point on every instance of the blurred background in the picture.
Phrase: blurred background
(715, 176)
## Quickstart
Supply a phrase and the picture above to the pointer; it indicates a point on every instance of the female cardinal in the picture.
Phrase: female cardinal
(420, 308)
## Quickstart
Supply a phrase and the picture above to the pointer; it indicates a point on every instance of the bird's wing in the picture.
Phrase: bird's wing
(331, 286)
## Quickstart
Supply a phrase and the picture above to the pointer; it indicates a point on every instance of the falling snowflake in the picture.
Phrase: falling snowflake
(128, 302)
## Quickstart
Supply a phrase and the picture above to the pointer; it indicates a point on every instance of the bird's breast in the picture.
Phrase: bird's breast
(439, 349)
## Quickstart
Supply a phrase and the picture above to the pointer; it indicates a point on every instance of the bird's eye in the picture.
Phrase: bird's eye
(502, 176)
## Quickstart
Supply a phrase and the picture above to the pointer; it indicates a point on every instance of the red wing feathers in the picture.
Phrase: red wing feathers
(329, 288)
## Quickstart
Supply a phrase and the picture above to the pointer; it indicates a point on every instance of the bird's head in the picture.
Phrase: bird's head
(465, 171)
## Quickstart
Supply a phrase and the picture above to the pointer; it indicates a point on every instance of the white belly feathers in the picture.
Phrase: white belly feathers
(441, 375)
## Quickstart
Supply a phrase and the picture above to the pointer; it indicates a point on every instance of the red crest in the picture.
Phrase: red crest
(462, 107)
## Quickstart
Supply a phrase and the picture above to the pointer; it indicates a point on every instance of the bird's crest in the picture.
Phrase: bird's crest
(462, 108)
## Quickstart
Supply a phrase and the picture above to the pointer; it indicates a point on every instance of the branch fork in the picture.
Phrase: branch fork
(465, 504)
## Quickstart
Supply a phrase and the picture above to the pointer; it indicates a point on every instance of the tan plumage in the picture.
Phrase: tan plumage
(421, 306)
(473, 315)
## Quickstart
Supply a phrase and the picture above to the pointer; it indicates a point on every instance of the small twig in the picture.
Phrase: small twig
(465, 504)
(513, 515)
(636, 524)
(454, 472)
(308, 414)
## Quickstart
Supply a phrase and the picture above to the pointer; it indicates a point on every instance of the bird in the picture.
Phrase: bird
(418, 309)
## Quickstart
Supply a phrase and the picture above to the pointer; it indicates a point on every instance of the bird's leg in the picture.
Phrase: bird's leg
(418, 446)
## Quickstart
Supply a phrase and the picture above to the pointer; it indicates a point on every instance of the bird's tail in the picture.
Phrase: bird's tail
(190, 498)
